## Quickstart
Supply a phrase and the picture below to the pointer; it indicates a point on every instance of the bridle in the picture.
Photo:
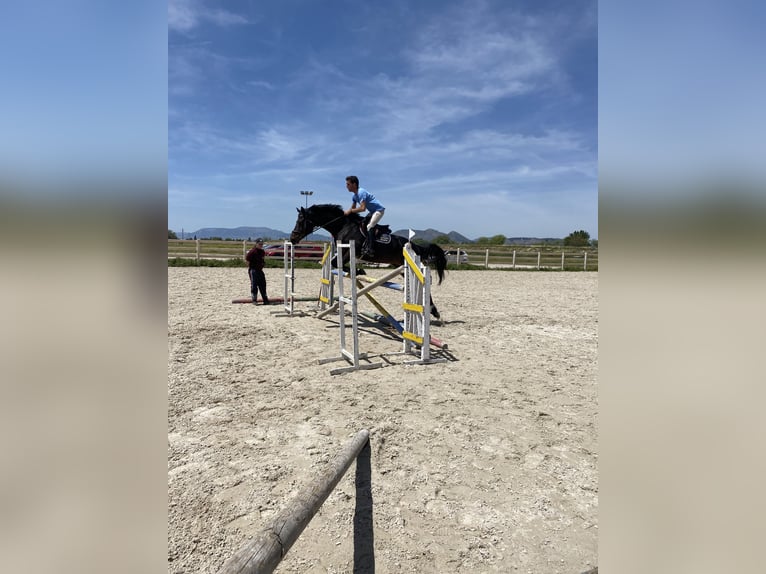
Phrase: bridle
(315, 226)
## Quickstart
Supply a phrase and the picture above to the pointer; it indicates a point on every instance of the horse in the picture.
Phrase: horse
(344, 228)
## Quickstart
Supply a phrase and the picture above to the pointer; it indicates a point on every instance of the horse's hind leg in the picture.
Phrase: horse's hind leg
(434, 310)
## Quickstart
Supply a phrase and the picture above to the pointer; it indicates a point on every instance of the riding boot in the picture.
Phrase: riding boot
(368, 251)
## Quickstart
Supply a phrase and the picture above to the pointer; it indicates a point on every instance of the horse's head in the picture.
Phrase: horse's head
(303, 226)
(328, 216)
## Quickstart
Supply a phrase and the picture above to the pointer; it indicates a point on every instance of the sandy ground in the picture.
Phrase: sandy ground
(486, 462)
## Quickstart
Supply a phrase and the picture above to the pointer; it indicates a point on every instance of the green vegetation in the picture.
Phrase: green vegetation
(183, 262)
(172, 234)
(494, 240)
(579, 238)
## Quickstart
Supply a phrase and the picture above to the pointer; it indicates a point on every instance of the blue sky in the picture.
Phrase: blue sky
(681, 96)
(471, 116)
(83, 92)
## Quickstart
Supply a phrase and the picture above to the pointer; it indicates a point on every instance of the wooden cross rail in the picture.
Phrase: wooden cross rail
(376, 283)
(380, 281)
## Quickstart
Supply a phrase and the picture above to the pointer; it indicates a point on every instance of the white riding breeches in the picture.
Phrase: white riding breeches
(374, 218)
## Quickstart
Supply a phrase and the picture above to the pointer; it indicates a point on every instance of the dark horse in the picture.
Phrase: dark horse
(344, 228)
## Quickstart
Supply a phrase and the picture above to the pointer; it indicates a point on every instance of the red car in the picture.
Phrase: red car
(307, 251)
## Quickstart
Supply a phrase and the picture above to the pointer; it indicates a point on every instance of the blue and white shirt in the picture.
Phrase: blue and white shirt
(364, 196)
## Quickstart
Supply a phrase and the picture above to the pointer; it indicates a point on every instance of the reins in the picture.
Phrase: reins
(315, 226)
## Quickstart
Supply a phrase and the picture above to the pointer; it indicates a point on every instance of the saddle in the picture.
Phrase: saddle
(381, 232)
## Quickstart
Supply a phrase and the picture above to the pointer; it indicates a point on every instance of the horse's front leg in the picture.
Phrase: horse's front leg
(345, 264)
(342, 264)
(359, 270)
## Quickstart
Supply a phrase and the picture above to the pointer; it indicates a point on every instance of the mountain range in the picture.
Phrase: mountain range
(268, 234)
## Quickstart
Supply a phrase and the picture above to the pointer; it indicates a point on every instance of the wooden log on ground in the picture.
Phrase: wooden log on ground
(272, 300)
(264, 552)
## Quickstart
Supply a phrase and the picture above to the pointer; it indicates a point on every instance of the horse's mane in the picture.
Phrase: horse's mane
(334, 207)
(324, 206)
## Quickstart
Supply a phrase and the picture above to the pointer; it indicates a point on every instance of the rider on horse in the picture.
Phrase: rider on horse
(346, 228)
(366, 202)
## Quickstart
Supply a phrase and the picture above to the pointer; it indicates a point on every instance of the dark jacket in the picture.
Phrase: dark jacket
(255, 258)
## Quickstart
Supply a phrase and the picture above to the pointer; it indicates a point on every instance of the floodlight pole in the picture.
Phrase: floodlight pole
(307, 193)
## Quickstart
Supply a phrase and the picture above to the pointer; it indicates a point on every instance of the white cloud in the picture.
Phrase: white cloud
(224, 18)
(456, 67)
(185, 15)
(261, 84)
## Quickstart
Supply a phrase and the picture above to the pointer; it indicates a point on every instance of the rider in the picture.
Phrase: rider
(368, 202)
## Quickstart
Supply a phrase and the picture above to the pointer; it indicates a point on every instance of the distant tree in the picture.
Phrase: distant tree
(494, 240)
(172, 234)
(594, 243)
(579, 238)
(442, 239)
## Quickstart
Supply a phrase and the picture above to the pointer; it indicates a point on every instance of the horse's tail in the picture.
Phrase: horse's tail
(432, 253)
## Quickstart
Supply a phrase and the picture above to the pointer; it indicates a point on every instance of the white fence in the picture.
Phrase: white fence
(217, 249)
(528, 259)
(489, 258)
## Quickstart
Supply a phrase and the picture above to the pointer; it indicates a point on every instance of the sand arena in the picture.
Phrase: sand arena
(484, 463)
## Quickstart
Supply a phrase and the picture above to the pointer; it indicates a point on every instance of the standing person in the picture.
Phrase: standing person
(255, 262)
(366, 202)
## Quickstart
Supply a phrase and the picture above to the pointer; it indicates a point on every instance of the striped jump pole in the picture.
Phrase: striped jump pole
(388, 318)
(417, 319)
(288, 256)
(290, 297)
(326, 295)
(353, 356)
(385, 281)
(414, 331)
